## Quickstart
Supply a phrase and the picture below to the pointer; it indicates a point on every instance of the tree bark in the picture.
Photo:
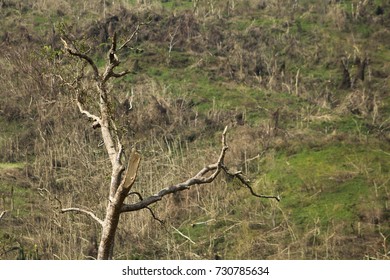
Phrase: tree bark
(113, 212)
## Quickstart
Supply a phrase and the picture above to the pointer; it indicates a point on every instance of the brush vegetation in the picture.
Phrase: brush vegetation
(302, 85)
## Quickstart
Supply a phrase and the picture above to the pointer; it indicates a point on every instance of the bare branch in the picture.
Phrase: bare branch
(59, 201)
(112, 52)
(130, 38)
(109, 73)
(130, 99)
(199, 179)
(245, 182)
(137, 194)
(73, 51)
(150, 210)
(121, 74)
(79, 210)
(88, 114)
(185, 236)
(2, 214)
(154, 215)
(120, 152)
(203, 223)
(113, 62)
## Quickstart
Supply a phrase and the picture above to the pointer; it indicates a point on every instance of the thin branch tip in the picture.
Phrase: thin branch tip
(225, 130)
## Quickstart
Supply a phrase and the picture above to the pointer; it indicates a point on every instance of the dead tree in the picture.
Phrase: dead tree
(123, 175)
(346, 81)
(361, 68)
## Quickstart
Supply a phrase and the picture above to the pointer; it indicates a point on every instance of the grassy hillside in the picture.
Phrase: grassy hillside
(302, 86)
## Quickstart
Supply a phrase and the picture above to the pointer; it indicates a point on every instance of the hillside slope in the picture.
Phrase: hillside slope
(304, 89)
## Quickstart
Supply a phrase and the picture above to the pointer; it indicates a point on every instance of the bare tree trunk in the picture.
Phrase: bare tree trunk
(114, 208)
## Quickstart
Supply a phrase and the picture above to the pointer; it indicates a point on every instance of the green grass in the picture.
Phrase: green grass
(21, 198)
(9, 129)
(7, 165)
(329, 183)
(177, 4)
(351, 125)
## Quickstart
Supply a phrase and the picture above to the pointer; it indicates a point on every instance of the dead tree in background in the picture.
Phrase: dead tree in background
(124, 174)
(346, 80)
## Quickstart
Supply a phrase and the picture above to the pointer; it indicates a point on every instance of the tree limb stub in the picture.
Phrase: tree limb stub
(131, 173)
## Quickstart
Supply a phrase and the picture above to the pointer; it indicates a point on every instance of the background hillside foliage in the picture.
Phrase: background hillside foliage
(302, 85)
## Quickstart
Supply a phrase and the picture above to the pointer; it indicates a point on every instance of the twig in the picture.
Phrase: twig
(135, 193)
(130, 99)
(185, 236)
(113, 63)
(59, 201)
(154, 216)
(150, 210)
(121, 74)
(203, 223)
(245, 182)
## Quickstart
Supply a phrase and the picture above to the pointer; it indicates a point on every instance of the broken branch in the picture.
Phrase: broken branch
(131, 173)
